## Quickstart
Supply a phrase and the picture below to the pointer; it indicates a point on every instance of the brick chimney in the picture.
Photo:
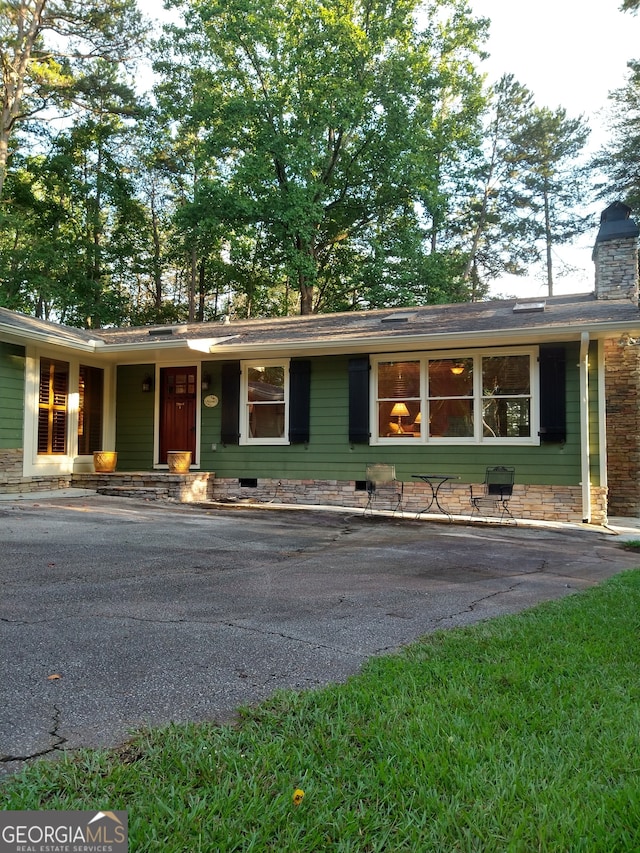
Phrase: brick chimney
(616, 258)
(615, 254)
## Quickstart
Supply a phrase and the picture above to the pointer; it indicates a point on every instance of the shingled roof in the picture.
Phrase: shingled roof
(472, 323)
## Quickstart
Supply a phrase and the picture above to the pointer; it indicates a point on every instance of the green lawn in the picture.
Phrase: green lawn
(518, 734)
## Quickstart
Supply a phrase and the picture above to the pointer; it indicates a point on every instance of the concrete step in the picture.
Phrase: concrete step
(144, 493)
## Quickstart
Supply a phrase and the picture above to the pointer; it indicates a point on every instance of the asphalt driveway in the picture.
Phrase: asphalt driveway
(116, 615)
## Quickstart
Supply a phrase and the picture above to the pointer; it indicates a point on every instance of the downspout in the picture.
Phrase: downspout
(585, 469)
(602, 427)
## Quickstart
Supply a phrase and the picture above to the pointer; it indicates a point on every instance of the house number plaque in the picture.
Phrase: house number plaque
(210, 401)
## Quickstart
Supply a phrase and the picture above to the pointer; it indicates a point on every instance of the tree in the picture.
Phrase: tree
(36, 72)
(545, 162)
(317, 127)
(619, 160)
(491, 233)
(70, 229)
(156, 178)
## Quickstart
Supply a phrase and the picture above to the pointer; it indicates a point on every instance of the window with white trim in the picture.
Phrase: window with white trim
(53, 400)
(265, 402)
(456, 398)
(506, 396)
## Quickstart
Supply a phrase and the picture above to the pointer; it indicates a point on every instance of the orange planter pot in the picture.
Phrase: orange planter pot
(179, 461)
(105, 461)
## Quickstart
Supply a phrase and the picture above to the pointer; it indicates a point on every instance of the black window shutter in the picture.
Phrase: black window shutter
(299, 400)
(553, 406)
(230, 403)
(359, 400)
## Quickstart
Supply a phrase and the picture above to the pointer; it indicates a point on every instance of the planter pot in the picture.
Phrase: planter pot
(104, 461)
(179, 461)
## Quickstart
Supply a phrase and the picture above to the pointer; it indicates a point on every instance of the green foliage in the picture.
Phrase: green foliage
(69, 233)
(517, 734)
(619, 160)
(313, 156)
(315, 127)
(45, 48)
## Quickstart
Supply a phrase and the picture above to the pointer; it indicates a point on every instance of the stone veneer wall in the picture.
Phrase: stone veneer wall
(12, 480)
(194, 487)
(543, 503)
(622, 381)
(616, 263)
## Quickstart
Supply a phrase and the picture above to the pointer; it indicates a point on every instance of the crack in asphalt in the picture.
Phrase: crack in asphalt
(472, 605)
(283, 636)
(54, 732)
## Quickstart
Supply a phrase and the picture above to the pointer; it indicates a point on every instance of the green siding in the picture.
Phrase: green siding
(12, 365)
(330, 456)
(134, 419)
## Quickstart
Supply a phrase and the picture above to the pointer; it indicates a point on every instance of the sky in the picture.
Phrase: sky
(569, 53)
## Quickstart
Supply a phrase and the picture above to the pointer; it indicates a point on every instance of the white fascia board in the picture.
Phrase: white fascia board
(13, 335)
(208, 345)
(434, 341)
(204, 345)
(144, 346)
(228, 346)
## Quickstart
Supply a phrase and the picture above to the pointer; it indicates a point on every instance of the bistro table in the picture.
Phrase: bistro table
(435, 483)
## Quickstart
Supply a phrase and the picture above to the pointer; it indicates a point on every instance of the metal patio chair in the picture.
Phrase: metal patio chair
(383, 487)
(494, 493)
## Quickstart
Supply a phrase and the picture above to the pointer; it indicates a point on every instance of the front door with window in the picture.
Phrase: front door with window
(178, 400)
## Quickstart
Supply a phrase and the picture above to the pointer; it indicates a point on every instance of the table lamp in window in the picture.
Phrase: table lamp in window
(399, 411)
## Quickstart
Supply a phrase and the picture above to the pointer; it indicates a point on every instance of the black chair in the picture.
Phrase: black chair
(494, 493)
(383, 487)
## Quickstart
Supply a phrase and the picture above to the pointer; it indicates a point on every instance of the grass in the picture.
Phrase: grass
(631, 545)
(518, 734)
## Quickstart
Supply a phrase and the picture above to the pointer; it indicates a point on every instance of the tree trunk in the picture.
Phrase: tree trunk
(305, 287)
(4, 153)
(201, 290)
(14, 67)
(306, 297)
(157, 257)
(548, 239)
(192, 285)
(471, 265)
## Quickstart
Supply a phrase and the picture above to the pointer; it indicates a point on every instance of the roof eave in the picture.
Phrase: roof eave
(144, 346)
(231, 346)
(29, 336)
(432, 341)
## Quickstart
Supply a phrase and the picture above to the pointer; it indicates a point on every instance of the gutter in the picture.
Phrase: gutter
(584, 428)
(232, 345)
(49, 338)
(371, 342)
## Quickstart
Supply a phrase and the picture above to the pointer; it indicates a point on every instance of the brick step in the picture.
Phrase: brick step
(147, 493)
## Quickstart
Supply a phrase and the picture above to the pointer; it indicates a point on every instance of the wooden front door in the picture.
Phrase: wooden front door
(177, 410)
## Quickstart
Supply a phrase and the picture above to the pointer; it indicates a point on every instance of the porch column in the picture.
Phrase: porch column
(584, 428)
